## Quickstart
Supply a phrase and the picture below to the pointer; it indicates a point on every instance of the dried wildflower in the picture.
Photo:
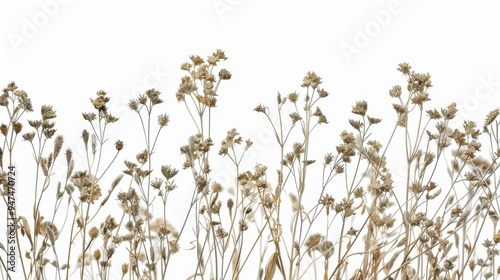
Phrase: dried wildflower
(221, 233)
(420, 98)
(260, 109)
(230, 204)
(326, 248)
(347, 137)
(298, 149)
(400, 109)
(322, 93)
(202, 72)
(200, 183)
(49, 230)
(197, 60)
(142, 157)
(110, 118)
(89, 116)
(217, 187)
(328, 159)
(168, 171)
(97, 255)
(293, 97)
(58, 143)
(100, 102)
(133, 105)
(224, 74)
(186, 66)
(374, 120)
(404, 68)
(17, 127)
(29, 136)
(356, 124)
(472, 148)
(248, 144)
(490, 118)
(313, 241)
(86, 183)
(154, 96)
(295, 117)
(311, 79)
(93, 232)
(433, 114)
(119, 145)
(419, 82)
(395, 91)
(35, 124)
(163, 120)
(85, 137)
(450, 112)
(496, 237)
(360, 108)
(48, 112)
(243, 226)
(318, 112)
(402, 120)
(4, 129)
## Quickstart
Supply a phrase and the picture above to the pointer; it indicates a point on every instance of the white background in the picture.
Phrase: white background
(63, 52)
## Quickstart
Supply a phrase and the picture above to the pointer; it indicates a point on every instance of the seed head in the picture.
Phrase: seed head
(119, 145)
(93, 232)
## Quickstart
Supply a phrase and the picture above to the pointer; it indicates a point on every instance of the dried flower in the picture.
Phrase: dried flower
(360, 108)
(224, 74)
(154, 96)
(119, 145)
(142, 157)
(48, 112)
(243, 225)
(163, 120)
(295, 117)
(93, 232)
(450, 112)
(311, 79)
(89, 116)
(97, 255)
(404, 68)
(395, 91)
(490, 118)
(168, 172)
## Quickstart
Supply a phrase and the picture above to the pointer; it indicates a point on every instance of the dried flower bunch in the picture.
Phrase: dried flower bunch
(352, 215)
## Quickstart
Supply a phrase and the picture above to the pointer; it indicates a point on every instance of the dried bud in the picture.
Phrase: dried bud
(17, 127)
(4, 129)
(93, 232)
(230, 204)
(119, 145)
(97, 255)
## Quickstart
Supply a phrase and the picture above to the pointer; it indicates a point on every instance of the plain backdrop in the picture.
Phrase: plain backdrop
(62, 52)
